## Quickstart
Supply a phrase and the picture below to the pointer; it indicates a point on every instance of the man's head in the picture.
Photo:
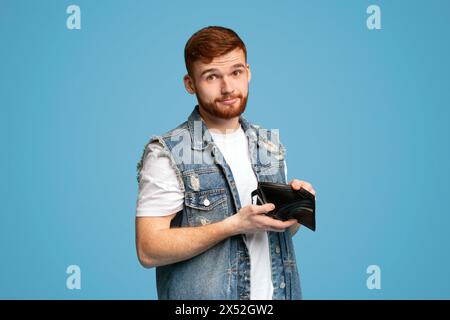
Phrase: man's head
(218, 73)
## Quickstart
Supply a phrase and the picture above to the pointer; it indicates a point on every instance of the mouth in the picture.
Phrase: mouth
(229, 101)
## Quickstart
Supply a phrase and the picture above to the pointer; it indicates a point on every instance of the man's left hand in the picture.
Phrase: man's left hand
(297, 185)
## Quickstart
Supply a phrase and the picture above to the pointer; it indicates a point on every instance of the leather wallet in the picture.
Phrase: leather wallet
(289, 203)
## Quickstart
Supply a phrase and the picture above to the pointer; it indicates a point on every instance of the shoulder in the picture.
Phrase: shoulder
(158, 143)
(156, 151)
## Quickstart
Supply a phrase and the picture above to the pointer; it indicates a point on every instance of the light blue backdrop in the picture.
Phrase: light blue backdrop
(363, 113)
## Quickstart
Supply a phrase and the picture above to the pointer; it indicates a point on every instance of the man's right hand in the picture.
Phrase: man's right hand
(252, 218)
(158, 244)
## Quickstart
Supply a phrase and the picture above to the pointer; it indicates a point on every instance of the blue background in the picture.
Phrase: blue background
(363, 113)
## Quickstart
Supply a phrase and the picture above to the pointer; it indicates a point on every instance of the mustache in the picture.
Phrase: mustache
(229, 97)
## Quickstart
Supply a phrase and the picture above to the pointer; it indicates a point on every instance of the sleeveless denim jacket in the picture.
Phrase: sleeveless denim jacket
(210, 195)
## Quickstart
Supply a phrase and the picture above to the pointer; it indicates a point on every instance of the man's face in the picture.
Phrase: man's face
(221, 86)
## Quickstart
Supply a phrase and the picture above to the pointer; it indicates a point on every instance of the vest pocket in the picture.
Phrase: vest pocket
(205, 207)
(272, 164)
(274, 172)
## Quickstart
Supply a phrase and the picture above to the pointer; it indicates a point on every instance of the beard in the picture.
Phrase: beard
(224, 111)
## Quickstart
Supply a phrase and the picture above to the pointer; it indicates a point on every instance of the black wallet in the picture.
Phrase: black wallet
(289, 203)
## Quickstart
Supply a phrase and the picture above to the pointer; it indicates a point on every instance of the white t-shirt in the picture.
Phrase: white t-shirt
(160, 195)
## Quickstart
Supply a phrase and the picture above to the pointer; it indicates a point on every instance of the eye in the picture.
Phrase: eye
(211, 77)
(237, 72)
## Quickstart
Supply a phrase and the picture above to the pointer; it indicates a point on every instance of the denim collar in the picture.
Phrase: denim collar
(200, 142)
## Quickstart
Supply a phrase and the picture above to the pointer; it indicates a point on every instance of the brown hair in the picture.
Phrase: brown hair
(209, 43)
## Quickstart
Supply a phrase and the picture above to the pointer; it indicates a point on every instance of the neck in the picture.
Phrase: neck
(217, 124)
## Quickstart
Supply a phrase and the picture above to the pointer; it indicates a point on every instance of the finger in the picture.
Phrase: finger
(291, 222)
(296, 184)
(307, 186)
(256, 209)
(278, 224)
(277, 229)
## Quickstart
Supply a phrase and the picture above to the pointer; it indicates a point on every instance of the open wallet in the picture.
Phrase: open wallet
(289, 203)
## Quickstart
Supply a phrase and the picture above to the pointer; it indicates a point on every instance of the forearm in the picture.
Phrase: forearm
(172, 245)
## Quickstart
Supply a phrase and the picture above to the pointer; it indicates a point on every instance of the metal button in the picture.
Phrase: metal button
(282, 285)
(206, 202)
(277, 249)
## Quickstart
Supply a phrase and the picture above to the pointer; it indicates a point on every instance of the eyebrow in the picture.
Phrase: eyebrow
(237, 65)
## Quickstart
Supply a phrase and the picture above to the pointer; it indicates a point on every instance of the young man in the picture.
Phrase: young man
(195, 219)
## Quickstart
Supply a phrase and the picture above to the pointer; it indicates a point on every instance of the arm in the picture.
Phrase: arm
(158, 244)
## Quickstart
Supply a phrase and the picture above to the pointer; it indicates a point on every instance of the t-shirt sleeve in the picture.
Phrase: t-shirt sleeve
(159, 193)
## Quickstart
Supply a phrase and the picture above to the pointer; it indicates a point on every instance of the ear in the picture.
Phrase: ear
(189, 84)
(249, 72)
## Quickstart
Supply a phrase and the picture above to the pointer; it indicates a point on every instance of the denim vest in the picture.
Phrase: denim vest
(210, 195)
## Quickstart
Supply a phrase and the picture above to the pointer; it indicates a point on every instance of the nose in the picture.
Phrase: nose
(226, 89)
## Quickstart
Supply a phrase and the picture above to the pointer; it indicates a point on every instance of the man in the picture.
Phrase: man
(195, 219)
